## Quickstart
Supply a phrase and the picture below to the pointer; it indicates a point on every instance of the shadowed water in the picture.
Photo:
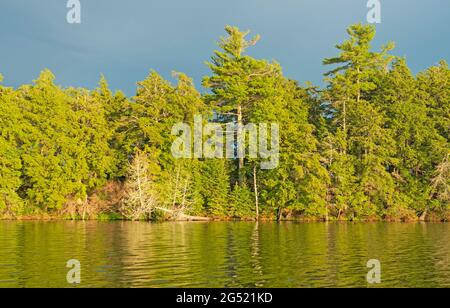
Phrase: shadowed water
(126, 254)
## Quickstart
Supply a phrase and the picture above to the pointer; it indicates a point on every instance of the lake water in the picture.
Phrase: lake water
(223, 254)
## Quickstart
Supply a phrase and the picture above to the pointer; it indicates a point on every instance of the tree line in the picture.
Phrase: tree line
(372, 143)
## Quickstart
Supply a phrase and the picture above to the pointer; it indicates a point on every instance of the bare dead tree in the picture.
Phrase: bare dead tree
(140, 199)
(440, 184)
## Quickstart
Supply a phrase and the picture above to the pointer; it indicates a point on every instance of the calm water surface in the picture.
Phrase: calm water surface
(126, 254)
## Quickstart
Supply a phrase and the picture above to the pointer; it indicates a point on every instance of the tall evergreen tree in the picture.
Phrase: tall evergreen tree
(363, 144)
(65, 150)
(10, 162)
(237, 81)
(419, 146)
(115, 106)
(435, 82)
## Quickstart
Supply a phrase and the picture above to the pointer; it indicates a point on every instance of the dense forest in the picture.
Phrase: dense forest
(372, 143)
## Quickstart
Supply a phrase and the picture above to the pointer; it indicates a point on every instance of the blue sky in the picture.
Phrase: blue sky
(125, 39)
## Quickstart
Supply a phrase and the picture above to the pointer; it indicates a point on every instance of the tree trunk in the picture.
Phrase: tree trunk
(345, 116)
(424, 215)
(175, 192)
(345, 126)
(138, 173)
(358, 97)
(241, 159)
(183, 202)
(183, 217)
(255, 188)
(279, 214)
(81, 206)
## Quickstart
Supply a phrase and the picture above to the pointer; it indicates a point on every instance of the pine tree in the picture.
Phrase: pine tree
(372, 144)
(299, 182)
(237, 82)
(418, 143)
(215, 187)
(360, 136)
(435, 82)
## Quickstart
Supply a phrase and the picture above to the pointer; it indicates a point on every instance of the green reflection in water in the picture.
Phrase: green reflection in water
(126, 254)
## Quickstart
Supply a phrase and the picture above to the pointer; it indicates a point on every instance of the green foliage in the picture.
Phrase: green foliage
(64, 145)
(214, 187)
(435, 82)
(115, 108)
(373, 143)
(241, 202)
(10, 162)
(362, 144)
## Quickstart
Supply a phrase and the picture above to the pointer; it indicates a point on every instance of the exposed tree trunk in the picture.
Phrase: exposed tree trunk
(139, 183)
(140, 198)
(358, 98)
(241, 177)
(183, 202)
(174, 202)
(82, 206)
(279, 214)
(345, 125)
(344, 111)
(424, 215)
(183, 217)
(255, 188)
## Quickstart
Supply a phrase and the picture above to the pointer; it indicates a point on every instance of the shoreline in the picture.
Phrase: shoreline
(216, 220)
